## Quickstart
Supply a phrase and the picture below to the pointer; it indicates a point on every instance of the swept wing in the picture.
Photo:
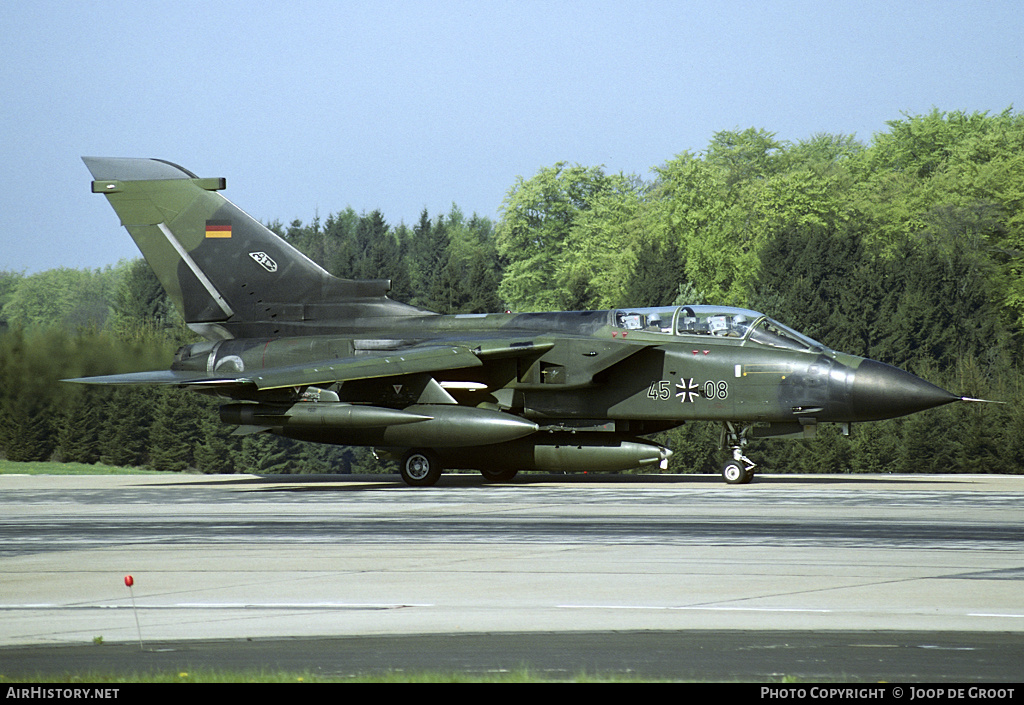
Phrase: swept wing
(307, 374)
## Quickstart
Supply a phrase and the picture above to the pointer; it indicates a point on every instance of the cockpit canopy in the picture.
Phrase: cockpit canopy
(719, 321)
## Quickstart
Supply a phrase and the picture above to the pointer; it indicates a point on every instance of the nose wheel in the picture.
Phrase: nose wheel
(739, 470)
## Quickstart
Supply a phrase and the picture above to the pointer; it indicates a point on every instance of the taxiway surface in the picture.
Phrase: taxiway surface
(936, 558)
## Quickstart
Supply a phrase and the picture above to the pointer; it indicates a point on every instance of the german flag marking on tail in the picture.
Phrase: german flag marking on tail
(218, 228)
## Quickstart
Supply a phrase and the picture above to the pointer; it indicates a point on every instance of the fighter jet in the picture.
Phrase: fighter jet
(303, 354)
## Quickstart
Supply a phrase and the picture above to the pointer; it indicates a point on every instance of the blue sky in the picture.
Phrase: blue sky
(311, 107)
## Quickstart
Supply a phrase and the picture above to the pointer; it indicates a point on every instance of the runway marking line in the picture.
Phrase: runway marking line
(220, 605)
(683, 608)
(756, 609)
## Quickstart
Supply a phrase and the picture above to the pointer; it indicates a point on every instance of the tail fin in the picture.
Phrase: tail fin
(228, 274)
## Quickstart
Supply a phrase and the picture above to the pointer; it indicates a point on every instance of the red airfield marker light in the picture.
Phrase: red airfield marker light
(129, 581)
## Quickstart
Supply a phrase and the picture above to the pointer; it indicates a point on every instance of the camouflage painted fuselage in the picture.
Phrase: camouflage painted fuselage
(310, 356)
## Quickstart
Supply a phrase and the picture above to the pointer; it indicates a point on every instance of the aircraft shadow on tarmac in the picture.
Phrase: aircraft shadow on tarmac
(356, 482)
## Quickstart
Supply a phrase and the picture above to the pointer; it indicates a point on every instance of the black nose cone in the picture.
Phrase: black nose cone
(880, 391)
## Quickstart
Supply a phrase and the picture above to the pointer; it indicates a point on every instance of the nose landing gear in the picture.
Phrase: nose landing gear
(739, 470)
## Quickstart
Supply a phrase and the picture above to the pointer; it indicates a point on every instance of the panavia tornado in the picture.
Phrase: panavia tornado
(306, 355)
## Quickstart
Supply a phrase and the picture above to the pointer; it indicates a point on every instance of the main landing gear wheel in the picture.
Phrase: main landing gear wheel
(498, 475)
(420, 468)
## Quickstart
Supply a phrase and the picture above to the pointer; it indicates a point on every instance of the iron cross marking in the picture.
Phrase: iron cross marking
(688, 389)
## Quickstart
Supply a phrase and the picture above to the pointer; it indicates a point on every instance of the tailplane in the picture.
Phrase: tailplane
(228, 274)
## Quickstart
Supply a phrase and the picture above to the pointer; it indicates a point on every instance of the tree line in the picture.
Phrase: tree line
(907, 249)
(67, 323)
